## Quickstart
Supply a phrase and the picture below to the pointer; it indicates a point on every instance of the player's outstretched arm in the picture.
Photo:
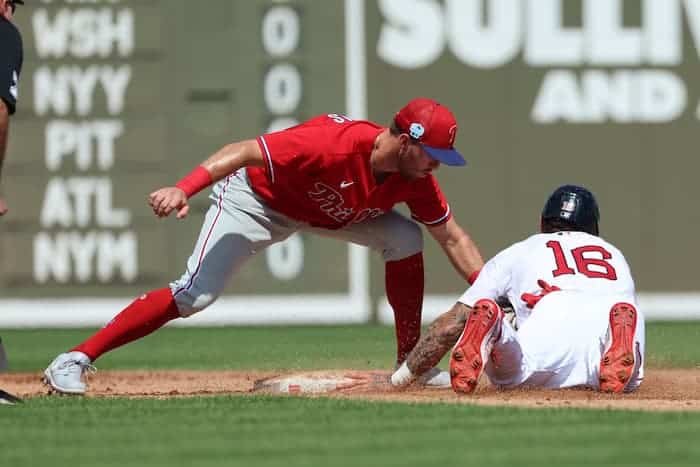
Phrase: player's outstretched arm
(233, 157)
(441, 336)
(169, 199)
(459, 247)
(223, 162)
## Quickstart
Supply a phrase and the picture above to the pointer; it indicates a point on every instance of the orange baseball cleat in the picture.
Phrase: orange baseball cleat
(618, 362)
(469, 355)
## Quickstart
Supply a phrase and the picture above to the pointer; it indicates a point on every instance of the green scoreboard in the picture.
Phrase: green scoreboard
(120, 97)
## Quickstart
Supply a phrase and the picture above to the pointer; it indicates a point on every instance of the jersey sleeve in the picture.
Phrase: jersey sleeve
(427, 203)
(10, 65)
(296, 148)
(494, 280)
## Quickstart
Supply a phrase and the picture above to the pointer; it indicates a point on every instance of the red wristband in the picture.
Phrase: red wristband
(472, 277)
(195, 181)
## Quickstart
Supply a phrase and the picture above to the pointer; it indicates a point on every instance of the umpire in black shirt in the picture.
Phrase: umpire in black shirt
(10, 68)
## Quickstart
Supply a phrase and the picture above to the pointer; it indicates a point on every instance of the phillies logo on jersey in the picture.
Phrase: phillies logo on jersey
(331, 202)
(367, 213)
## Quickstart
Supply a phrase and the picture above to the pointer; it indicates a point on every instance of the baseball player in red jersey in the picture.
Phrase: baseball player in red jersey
(332, 176)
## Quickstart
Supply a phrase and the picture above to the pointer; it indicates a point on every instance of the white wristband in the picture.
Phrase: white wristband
(403, 376)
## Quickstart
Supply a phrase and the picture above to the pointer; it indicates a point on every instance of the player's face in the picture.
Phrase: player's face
(414, 162)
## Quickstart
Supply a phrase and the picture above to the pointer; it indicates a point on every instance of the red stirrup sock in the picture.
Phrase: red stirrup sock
(145, 314)
(404, 290)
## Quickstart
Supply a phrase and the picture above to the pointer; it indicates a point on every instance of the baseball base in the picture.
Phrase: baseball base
(318, 382)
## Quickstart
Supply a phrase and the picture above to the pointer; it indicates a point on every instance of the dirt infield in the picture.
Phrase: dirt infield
(677, 390)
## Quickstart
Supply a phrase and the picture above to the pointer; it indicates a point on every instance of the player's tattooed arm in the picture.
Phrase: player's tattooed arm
(438, 340)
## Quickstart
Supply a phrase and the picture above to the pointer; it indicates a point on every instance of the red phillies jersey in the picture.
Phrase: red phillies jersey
(319, 172)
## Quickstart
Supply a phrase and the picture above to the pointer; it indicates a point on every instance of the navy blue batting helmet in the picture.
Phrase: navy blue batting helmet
(571, 207)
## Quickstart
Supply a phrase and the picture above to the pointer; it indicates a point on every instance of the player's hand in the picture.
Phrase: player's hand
(546, 288)
(167, 200)
(3, 207)
(367, 381)
(531, 299)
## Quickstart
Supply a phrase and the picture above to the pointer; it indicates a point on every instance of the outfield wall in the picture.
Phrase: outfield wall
(120, 97)
(280, 310)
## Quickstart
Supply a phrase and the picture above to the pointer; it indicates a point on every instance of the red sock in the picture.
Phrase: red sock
(145, 314)
(404, 289)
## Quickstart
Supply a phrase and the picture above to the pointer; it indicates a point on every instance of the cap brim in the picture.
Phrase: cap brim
(445, 156)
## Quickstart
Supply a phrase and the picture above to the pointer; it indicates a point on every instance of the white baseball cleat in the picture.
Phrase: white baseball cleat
(8, 399)
(65, 374)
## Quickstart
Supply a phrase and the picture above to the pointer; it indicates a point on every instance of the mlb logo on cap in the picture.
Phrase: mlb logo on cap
(433, 126)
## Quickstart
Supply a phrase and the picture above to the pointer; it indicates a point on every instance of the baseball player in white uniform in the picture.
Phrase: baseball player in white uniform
(575, 305)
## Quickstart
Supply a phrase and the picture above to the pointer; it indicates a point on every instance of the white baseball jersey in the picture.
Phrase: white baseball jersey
(560, 342)
(573, 261)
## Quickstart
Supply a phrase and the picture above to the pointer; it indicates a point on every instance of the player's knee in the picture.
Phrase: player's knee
(189, 302)
(405, 240)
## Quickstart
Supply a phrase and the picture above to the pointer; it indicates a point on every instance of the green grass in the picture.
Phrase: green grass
(264, 348)
(673, 344)
(282, 431)
(289, 431)
(669, 344)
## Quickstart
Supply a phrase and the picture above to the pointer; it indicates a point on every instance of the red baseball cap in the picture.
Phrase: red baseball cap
(433, 126)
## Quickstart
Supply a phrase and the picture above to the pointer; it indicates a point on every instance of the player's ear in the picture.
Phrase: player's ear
(404, 142)
(403, 149)
(6, 9)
